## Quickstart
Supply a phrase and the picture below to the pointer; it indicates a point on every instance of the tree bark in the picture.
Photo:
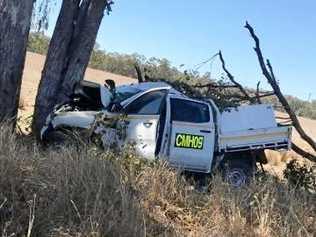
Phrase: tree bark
(15, 21)
(56, 61)
(83, 44)
(68, 56)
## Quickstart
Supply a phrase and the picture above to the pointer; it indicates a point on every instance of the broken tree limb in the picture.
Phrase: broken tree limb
(303, 153)
(212, 85)
(257, 93)
(232, 79)
(282, 118)
(269, 75)
(267, 95)
(258, 97)
(140, 75)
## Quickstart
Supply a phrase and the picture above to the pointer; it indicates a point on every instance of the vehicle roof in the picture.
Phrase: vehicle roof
(145, 86)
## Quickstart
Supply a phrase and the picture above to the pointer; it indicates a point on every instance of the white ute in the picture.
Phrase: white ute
(189, 134)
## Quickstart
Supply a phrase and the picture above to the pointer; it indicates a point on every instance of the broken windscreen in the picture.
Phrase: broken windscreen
(125, 92)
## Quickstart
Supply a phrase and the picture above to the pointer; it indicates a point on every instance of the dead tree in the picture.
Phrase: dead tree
(267, 71)
(68, 55)
(15, 21)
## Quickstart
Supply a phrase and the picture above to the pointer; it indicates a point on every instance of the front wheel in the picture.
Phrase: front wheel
(63, 138)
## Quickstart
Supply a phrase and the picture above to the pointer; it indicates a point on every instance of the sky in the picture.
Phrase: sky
(189, 32)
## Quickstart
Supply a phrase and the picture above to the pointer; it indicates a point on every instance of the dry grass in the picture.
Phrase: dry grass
(92, 193)
(69, 193)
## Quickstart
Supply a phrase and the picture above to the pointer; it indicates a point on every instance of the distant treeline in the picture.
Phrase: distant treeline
(123, 64)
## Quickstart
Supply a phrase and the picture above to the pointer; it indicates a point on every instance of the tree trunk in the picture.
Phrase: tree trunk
(15, 21)
(55, 64)
(69, 54)
(83, 44)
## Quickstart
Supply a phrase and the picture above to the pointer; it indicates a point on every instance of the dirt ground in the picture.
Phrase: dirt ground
(32, 74)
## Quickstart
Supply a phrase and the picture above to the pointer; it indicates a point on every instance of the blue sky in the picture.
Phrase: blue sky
(188, 32)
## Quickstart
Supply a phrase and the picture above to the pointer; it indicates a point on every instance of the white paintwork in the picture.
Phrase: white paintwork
(106, 96)
(80, 119)
(186, 158)
(142, 131)
(247, 117)
(255, 139)
(251, 127)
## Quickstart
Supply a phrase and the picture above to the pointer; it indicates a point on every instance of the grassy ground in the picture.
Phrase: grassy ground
(93, 193)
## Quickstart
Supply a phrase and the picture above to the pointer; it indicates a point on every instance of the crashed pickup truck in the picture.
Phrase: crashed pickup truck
(163, 123)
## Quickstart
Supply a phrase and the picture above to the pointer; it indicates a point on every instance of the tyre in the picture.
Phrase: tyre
(238, 173)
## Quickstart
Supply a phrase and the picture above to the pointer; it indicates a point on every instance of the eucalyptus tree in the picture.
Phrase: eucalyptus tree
(68, 54)
(15, 21)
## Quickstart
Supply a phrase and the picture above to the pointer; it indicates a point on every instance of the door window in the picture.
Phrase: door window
(189, 111)
(147, 104)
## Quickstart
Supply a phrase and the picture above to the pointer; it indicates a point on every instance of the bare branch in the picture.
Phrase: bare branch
(269, 75)
(212, 85)
(266, 95)
(232, 79)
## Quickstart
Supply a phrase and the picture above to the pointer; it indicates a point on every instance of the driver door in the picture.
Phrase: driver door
(143, 120)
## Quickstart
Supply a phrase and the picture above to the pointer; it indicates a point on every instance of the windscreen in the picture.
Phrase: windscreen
(123, 93)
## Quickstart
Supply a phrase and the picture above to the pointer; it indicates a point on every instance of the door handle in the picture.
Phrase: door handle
(148, 124)
(205, 131)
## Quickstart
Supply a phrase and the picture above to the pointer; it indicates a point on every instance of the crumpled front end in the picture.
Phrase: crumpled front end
(71, 119)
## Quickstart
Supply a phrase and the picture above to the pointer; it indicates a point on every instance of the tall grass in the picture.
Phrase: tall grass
(94, 193)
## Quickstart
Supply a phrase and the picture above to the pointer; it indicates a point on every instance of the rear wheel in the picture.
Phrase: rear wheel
(238, 172)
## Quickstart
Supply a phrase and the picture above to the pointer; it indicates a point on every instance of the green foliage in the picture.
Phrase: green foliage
(38, 43)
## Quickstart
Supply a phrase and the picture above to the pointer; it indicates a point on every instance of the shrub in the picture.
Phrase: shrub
(301, 176)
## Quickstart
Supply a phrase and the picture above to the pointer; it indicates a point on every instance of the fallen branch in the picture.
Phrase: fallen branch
(282, 118)
(269, 75)
(258, 97)
(266, 95)
(257, 93)
(232, 79)
(303, 153)
(212, 85)
(139, 72)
